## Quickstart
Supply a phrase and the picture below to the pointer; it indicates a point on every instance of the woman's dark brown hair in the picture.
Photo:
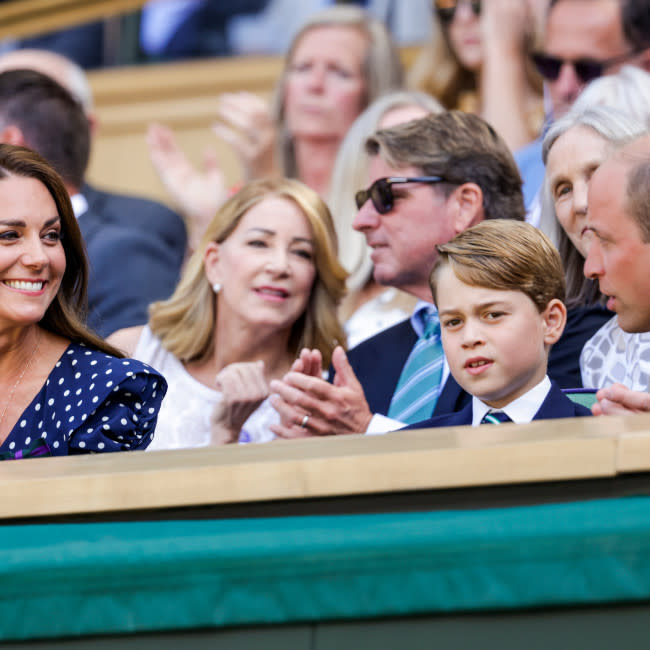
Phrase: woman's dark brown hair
(66, 314)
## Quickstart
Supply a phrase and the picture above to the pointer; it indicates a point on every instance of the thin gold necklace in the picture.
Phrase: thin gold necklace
(22, 374)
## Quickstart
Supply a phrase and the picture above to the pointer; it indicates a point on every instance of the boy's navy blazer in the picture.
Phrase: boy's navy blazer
(556, 405)
(378, 363)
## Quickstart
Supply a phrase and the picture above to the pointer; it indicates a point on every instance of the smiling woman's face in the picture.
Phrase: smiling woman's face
(32, 259)
(266, 267)
(573, 158)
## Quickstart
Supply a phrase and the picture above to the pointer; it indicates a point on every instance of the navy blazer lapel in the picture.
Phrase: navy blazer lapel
(378, 362)
(558, 405)
(452, 398)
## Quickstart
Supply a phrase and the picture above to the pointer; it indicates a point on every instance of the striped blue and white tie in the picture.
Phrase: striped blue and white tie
(419, 384)
(495, 417)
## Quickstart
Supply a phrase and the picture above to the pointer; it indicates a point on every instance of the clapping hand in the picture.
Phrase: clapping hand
(247, 125)
(309, 406)
(243, 387)
(198, 192)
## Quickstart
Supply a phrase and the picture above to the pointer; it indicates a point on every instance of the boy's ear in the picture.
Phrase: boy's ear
(554, 321)
(467, 206)
(211, 259)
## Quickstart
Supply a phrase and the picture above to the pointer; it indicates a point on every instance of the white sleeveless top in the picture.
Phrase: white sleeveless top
(184, 417)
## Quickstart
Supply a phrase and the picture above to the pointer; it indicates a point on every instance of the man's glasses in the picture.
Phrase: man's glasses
(381, 191)
(586, 69)
(447, 8)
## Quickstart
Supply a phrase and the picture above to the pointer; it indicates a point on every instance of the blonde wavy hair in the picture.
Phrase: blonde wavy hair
(382, 68)
(185, 323)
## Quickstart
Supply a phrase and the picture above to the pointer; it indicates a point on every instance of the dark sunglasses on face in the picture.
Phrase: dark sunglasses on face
(586, 69)
(446, 9)
(381, 191)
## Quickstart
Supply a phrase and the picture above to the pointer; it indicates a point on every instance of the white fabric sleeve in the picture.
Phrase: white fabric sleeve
(381, 424)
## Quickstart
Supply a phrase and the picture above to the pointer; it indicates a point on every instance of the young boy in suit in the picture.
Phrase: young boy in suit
(499, 287)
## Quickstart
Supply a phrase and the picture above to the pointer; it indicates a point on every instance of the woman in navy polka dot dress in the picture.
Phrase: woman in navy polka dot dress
(63, 390)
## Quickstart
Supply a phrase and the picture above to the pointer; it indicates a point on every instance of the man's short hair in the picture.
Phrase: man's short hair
(505, 255)
(637, 204)
(462, 148)
(52, 122)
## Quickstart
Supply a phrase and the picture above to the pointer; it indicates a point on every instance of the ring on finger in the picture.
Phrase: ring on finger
(305, 420)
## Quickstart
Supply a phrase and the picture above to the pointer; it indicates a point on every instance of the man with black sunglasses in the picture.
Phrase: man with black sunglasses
(583, 40)
(586, 39)
(429, 180)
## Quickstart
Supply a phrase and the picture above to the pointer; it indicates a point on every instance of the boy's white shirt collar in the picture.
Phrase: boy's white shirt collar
(522, 410)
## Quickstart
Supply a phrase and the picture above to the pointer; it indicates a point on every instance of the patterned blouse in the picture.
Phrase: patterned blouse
(91, 402)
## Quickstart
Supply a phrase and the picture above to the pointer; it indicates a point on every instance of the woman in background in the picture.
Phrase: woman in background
(339, 62)
(477, 61)
(263, 283)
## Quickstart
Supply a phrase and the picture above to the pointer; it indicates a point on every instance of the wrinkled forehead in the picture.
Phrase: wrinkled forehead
(585, 29)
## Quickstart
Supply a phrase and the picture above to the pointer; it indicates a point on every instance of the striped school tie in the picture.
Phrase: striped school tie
(419, 384)
(495, 417)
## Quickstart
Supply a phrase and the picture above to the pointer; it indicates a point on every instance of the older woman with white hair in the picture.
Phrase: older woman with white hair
(573, 148)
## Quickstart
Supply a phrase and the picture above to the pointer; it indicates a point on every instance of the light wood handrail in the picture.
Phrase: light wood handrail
(23, 18)
(326, 467)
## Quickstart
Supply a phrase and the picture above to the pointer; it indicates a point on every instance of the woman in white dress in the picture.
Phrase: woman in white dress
(264, 282)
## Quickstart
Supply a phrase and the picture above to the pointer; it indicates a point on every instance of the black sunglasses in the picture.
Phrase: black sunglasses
(446, 9)
(381, 191)
(586, 69)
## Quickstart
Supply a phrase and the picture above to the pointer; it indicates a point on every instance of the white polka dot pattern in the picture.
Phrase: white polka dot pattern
(99, 417)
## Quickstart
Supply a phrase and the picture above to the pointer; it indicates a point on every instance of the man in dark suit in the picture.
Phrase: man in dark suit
(430, 180)
(135, 246)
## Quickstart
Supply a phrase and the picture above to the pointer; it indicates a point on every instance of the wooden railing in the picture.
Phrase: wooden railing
(437, 460)
(23, 18)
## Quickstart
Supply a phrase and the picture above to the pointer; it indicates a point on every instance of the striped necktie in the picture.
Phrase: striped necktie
(419, 384)
(495, 417)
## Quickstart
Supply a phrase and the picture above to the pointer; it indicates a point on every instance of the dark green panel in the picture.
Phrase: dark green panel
(615, 628)
(281, 637)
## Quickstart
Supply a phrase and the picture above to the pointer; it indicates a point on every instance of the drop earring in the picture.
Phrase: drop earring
(216, 287)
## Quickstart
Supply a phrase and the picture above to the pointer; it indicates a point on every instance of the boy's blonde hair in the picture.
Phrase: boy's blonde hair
(505, 255)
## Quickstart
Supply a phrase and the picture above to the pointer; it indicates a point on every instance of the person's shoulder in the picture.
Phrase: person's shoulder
(95, 195)
(458, 418)
(135, 212)
(87, 359)
(118, 400)
(559, 403)
(126, 340)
